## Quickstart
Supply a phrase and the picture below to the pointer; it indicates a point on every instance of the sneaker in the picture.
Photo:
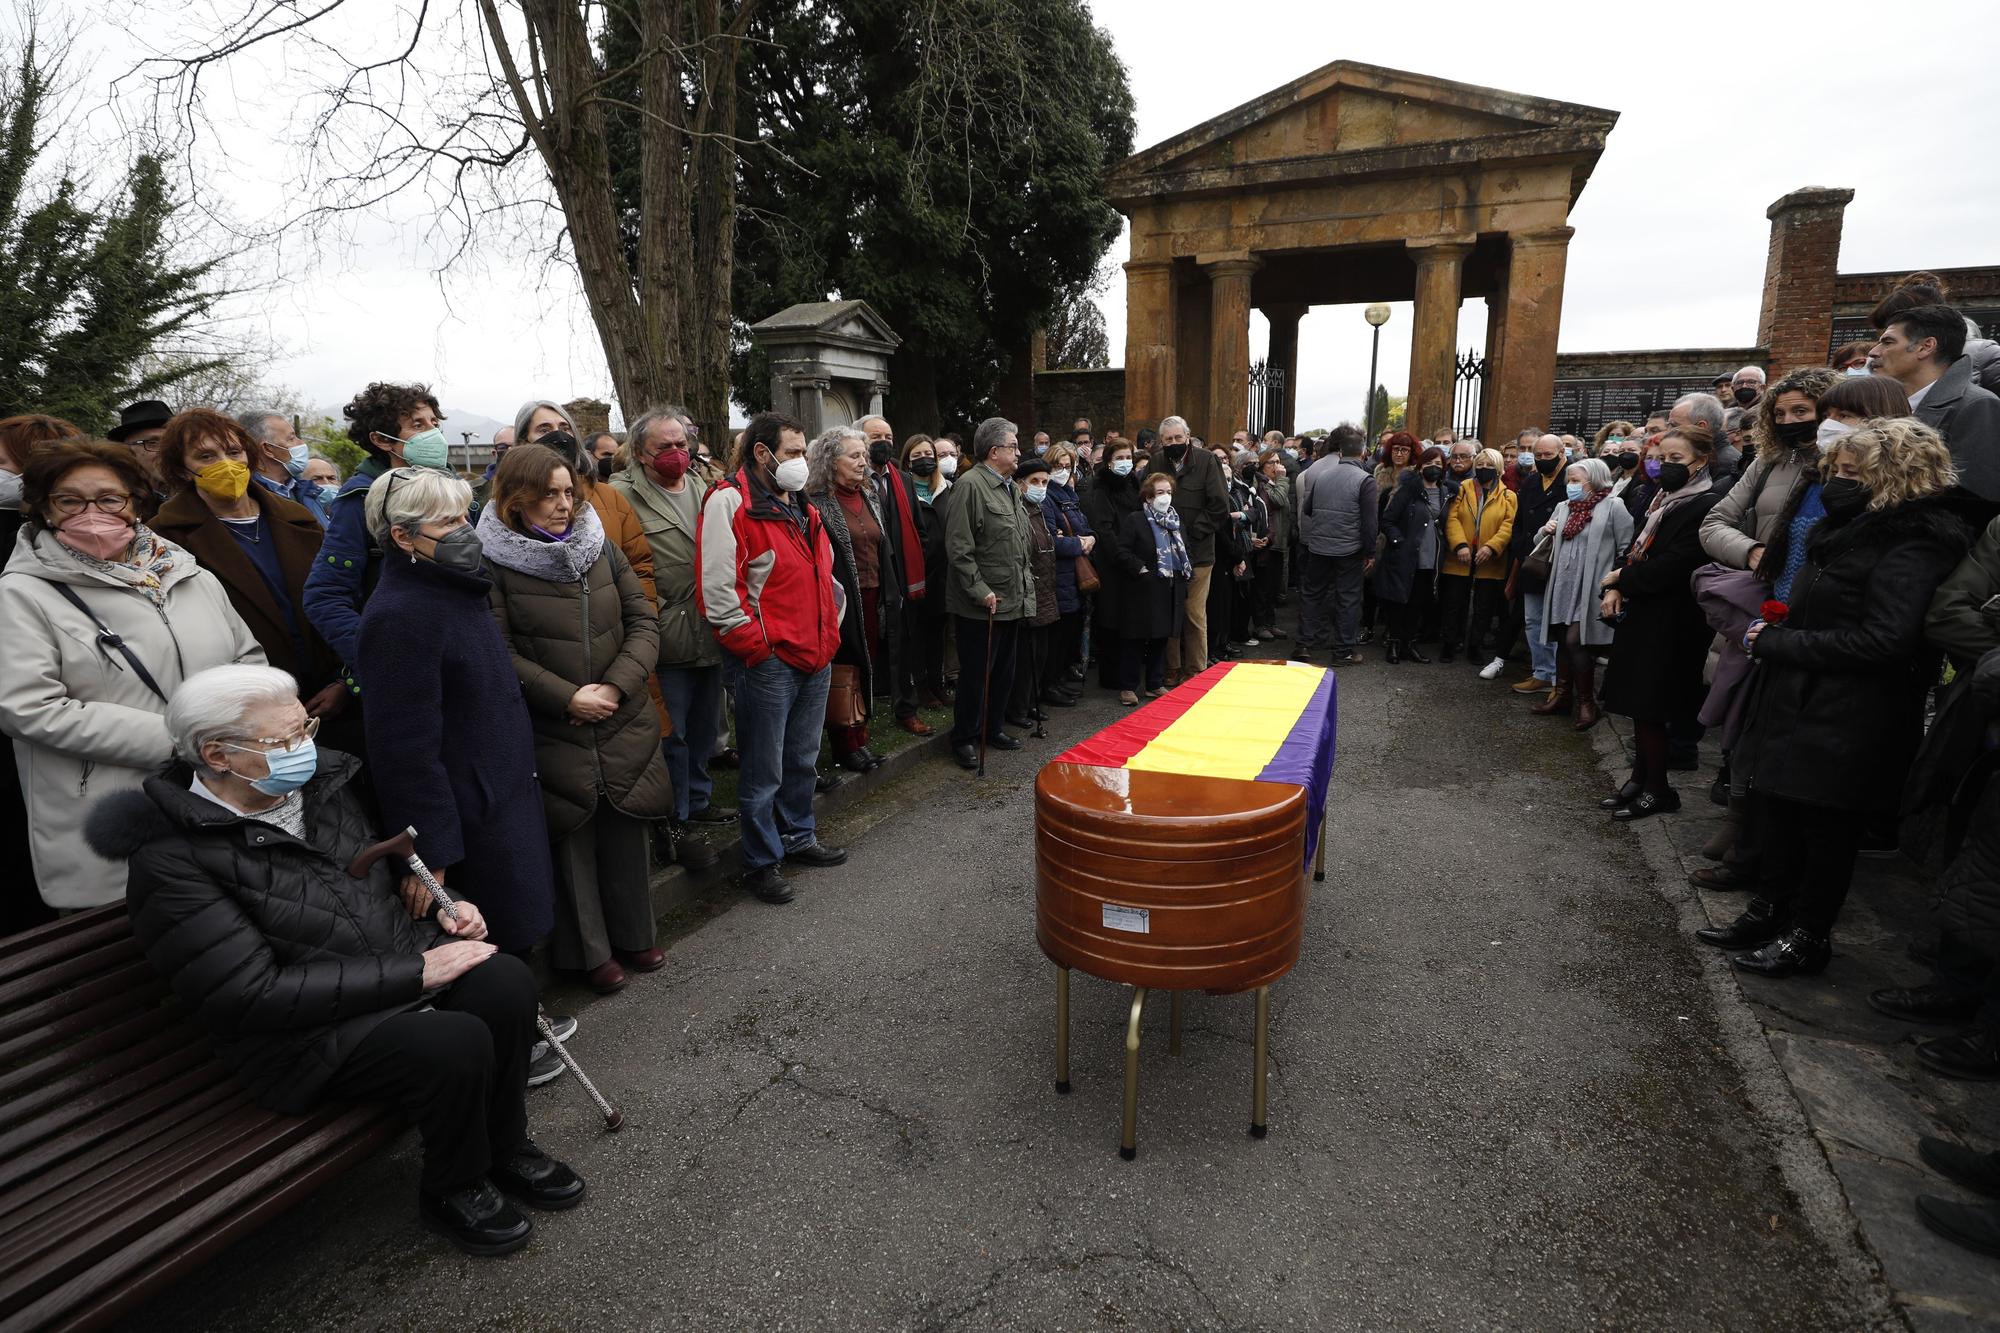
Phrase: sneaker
(711, 814)
(544, 1065)
(564, 1025)
(1492, 670)
(1534, 685)
(1250, 643)
(1128, 698)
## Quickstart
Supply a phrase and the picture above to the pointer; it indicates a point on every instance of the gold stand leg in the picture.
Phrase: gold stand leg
(1127, 1146)
(1257, 1079)
(1062, 1029)
(1174, 1024)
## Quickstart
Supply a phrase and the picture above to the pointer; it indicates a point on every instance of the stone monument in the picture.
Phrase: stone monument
(829, 361)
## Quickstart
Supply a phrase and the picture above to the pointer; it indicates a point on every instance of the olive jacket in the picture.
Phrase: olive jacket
(987, 543)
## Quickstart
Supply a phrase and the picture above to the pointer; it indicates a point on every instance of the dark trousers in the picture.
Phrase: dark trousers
(1142, 665)
(1330, 601)
(1806, 858)
(1406, 618)
(927, 629)
(1031, 663)
(971, 661)
(1269, 582)
(1221, 607)
(459, 1069)
(1468, 610)
(899, 646)
(1065, 650)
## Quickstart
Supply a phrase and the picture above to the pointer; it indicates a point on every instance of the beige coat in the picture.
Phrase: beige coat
(1743, 519)
(83, 724)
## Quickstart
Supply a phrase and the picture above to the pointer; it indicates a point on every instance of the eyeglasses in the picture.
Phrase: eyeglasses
(145, 444)
(271, 745)
(114, 502)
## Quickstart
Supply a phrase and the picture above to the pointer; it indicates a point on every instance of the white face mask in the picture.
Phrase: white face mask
(790, 475)
(10, 490)
(1162, 502)
(1060, 476)
(948, 465)
(1830, 432)
(1856, 370)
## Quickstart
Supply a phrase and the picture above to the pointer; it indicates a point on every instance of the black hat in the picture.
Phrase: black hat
(142, 415)
(1032, 463)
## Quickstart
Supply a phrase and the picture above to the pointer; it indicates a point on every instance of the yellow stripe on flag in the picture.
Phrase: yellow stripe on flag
(1234, 729)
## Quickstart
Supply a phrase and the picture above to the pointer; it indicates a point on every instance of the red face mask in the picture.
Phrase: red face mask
(670, 464)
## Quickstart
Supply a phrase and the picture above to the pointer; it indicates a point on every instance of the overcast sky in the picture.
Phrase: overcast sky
(1717, 120)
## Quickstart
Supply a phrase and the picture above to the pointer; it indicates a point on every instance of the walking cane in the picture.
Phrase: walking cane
(614, 1119)
(986, 689)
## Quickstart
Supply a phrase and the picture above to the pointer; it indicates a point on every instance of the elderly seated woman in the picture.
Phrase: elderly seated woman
(315, 983)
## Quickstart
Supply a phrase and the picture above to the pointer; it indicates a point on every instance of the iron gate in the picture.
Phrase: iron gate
(1267, 398)
(1469, 393)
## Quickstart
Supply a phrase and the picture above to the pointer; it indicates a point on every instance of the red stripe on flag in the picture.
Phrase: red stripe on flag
(1114, 746)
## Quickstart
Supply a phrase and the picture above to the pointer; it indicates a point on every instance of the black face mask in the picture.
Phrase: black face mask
(1673, 476)
(605, 465)
(561, 441)
(1485, 476)
(1796, 434)
(1433, 473)
(1547, 466)
(923, 465)
(1177, 452)
(1630, 462)
(1745, 395)
(459, 550)
(879, 451)
(1844, 498)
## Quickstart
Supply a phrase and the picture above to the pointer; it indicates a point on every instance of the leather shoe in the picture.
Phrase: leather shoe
(825, 782)
(606, 977)
(1621, 798)
(1972, 1054)
(1003, 742)
(712, 814)
(727, 758)
(1410, 654)
(477, 1219)
(1647, 805)
(818, 854)
(1760, 922)
(769, 885)
(1976, 1171)
(645, 960)
(966, 755)
(538, 1180)
(1925, 1004)
(690, 852)
(1020, 720)
(1797, 950)
(1720, 879)
(856, 761)
(916, 726)
(1972, 1225)
(1058, 699)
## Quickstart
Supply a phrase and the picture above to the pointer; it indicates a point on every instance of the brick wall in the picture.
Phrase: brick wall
(1061, 396)
(1796, 316)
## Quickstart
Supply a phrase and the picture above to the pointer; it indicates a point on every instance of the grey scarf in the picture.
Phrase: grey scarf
(554, 562)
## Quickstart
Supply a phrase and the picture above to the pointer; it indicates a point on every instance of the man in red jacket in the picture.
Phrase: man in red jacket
(765, 584)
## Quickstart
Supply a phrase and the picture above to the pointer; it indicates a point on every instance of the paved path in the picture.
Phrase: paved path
(1504, 1095)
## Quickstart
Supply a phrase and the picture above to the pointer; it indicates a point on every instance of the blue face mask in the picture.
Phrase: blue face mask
(1577, 490)
(1123, 467)
(300, 455)
(1037, 494)
(290, 770)
(328, 494)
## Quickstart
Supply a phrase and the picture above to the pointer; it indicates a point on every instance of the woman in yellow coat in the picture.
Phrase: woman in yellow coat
(1476, 530)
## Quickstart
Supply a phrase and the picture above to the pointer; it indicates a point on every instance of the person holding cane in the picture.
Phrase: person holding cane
(315, 981)
(989, 590)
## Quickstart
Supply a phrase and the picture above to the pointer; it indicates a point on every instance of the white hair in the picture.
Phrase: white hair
(1168, 422)
(211, 705)
(1596, 473)
(821, 453)
(409, 497)
(1707, 409)
(257, 422)
(1754, 372)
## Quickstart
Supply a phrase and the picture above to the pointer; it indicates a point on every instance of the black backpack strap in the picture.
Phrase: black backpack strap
(106, 638)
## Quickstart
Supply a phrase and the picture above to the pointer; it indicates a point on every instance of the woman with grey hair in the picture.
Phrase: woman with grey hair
(253, 891)
(837, 485)
(1590, 532)
(450, 745)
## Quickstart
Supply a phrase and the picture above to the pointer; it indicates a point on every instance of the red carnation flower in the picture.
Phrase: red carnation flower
(1774, 612)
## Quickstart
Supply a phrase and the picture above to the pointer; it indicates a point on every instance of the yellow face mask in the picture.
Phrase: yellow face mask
(225, 479)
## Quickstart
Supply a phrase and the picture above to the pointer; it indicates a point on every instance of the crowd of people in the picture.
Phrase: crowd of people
(227, 673)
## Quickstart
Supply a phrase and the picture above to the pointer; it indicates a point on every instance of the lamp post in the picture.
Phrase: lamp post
(1377, 315)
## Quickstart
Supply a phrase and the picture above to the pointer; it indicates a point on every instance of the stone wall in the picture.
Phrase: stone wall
(1976, 291)
(1795, 317)
(1061, 396)
(1595, 387)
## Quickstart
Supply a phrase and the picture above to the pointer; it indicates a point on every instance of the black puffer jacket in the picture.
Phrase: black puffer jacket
(1837, 707)
(287, 961)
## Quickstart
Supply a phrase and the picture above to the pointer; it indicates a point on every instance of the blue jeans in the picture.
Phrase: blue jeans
(779, 713)
(1541, 653)
(693, 696)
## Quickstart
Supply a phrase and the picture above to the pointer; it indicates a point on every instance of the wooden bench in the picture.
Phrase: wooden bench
(128, 1155)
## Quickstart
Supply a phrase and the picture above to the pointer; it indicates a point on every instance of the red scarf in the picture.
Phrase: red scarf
(1579, 513)
(913, 545)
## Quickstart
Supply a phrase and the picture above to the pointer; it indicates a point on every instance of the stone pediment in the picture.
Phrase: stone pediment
(1353, 120)
(840, 323)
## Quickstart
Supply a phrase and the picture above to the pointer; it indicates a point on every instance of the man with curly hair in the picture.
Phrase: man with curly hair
(397, 426)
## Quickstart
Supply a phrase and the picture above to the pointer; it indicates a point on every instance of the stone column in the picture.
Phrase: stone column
(1434, 339)
(809, 402)
(1530, 322)
(1228, 343)
(877, 391)
(1284, 357)
(1491, 431)
(1795, 320)
(1149, 343)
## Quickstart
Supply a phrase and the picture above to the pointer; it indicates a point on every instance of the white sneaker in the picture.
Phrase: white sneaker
(1492, 670)
(1249, 643)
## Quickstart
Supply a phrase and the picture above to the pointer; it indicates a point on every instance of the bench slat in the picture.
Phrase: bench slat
(78, 1009)
(158, 1103)
(111, 1046)
(78, 1100)
(69, 969)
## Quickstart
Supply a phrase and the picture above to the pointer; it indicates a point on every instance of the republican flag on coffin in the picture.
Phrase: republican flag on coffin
(1254, 721)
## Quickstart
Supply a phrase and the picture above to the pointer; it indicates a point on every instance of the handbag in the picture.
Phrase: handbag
(1086, 575)
(1539, 564)
(843, 698)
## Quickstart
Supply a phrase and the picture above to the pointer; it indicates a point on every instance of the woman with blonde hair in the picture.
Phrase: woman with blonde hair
(1837, 702)
(1477, 528)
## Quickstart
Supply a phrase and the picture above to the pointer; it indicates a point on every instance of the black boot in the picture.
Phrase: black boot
(1797, 950)
(1410, 653)
(1762, 921)
(1393, 654)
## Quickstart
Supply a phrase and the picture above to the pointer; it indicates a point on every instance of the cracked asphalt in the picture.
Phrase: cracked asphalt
(1502, 1096)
